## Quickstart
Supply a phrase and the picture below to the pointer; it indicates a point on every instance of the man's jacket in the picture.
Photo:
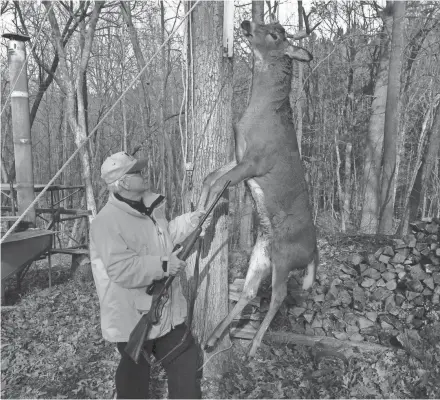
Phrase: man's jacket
(125, 251)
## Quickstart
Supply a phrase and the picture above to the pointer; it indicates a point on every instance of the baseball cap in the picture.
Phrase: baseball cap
(119, 164)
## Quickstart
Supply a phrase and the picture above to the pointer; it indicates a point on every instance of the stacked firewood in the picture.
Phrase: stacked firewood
(374, 296)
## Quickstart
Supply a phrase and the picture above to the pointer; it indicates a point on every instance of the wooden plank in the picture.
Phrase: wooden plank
(70, 251)
(244, 329)
(38, 187)
(235, 296)
(289, 337)
(9, 218)
(248, 331)
(67, 211)
(72, 218)
(253, 316)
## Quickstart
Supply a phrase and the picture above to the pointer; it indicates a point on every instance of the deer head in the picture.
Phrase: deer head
(272, 37)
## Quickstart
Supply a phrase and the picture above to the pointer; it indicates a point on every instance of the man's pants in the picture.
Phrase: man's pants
(133, 380)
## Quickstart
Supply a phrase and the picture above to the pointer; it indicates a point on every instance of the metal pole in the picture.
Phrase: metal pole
(21, 128)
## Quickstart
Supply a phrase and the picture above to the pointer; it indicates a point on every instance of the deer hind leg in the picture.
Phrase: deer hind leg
(259, 265)
(279, 293)
(259, 268)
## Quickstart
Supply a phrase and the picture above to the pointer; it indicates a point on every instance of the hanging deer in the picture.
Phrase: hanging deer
(267, 159)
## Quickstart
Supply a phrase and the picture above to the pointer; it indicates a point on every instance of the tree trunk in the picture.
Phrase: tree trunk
(391, 121)
(417, 196)
(126, 13)
(77, 120)
(258, 11)
(299, 87)
(432, 154)
(212, 120)
(414, 46)
(347, 184)
(60, 142)
(73, 20)
(124, 125)
(168, 170)
(374, 145)
(338, 182)
(4, 175)
(413, 197)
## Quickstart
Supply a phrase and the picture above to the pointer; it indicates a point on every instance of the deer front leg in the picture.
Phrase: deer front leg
(243, 170)
(259, 268)
(210, 179)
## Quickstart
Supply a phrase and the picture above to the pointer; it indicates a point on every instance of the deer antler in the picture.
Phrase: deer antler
(273, 19)
(305, 32)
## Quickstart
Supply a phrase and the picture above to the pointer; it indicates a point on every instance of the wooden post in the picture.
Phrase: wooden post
(228, 29)
(21, 128)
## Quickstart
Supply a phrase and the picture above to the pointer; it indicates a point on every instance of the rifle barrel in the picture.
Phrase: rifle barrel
(214, 203)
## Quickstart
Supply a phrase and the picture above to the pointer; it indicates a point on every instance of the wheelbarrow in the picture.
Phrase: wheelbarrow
(20, 249)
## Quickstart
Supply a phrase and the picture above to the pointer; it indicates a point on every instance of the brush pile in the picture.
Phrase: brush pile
(373, 297)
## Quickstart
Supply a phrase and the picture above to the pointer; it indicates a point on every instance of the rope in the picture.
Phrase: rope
(80, 146)
(27, 58)
(213, 355)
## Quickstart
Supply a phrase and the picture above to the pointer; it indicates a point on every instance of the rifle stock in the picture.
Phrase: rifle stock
(140, 331)
(137, 338)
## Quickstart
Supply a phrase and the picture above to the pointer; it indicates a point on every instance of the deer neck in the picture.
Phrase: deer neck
(272, 80)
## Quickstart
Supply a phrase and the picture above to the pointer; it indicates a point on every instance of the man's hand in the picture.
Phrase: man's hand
(196, 216)
(174, 263)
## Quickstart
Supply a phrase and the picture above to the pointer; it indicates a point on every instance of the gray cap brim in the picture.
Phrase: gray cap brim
(139, 166)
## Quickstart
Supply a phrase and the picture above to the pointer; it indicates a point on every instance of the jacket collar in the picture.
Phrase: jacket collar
(148, 199)
(138, 205)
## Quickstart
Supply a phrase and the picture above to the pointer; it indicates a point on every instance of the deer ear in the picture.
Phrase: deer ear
(273, 19)
(298, 53)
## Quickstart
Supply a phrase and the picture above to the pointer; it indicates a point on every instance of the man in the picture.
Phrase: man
(131, 246)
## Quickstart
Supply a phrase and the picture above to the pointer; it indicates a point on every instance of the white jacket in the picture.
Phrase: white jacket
(125, 251)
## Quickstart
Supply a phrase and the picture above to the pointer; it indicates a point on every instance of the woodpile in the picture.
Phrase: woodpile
(375, 297)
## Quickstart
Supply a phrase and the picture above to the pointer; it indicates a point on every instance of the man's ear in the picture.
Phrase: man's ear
(298, 53)
(123, 184)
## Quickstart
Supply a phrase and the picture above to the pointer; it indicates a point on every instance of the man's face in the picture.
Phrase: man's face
(135, 182)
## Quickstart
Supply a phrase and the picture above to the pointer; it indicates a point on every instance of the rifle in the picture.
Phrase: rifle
(158, 289)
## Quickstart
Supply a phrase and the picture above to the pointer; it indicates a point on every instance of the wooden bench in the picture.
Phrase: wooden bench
(9, 218)
(78, 255)
(72, 251)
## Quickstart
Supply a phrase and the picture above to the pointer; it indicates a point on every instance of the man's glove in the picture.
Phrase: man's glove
(196, 216)
(174, 263)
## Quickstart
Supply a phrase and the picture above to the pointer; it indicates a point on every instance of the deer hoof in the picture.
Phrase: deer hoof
(207, 348)
(253, 351)
(210, 343)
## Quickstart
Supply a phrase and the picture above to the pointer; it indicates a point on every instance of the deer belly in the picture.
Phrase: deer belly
(240, 146)
(260, 203)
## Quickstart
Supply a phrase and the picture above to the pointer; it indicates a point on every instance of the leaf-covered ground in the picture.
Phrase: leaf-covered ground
(51, 347)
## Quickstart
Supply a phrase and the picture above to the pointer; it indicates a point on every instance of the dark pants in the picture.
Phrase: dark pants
(133, 380)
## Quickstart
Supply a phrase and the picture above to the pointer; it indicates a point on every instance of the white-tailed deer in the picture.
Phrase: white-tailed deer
(267, 158)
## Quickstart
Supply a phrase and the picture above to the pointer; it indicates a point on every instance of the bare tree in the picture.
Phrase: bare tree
(374, 145)
(44, 82)
(391, 121)
(212, 139)
(72, 84)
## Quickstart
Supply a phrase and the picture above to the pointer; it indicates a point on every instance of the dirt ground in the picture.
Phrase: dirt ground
(51, 347)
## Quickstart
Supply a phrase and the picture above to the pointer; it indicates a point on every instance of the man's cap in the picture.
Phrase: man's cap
(119, 164)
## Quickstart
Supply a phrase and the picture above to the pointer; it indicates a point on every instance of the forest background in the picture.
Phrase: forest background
(344, 123)
(366, 114)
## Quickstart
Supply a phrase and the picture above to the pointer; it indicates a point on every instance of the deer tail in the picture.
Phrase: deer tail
(310, 275)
